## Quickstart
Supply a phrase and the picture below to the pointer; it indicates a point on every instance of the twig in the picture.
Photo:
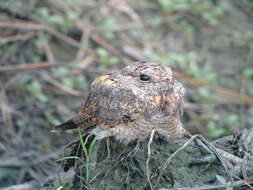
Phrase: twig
(234, 95)
(120, 27)
(8, 129)
(28, 66)
(40, 65)
(212, 148)
(172, 156)
(26, 26)
(18, 37)
(232, 158)
(30, 26)
(48, 51)
(83, 64)
(147, 161)
(66, 89)
(122, 6)
(246, 181)
(84, 43)
(98, 39)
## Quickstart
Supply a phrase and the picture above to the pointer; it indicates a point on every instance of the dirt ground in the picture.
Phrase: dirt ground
(157, 164)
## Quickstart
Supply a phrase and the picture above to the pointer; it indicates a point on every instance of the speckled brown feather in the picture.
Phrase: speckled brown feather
(131, 108)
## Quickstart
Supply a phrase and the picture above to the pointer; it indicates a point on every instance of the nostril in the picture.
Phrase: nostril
(170, 80)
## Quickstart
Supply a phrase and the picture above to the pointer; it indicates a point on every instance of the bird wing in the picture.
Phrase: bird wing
(86, 117)
(115, 104)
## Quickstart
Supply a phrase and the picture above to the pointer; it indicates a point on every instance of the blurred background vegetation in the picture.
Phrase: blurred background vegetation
(50, 51)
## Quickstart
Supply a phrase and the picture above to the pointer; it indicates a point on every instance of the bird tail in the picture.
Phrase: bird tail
(68, 125)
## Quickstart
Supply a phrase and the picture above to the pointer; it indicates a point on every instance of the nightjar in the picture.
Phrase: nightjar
(128, 104)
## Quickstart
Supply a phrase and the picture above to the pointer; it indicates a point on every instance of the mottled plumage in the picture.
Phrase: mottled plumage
(131, 102)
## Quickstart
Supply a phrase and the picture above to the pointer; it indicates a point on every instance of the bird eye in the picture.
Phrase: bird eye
(144, 77)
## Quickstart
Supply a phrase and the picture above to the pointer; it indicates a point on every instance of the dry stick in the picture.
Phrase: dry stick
(147, 161)
(9, 130)
(243, 166)
(211, 147)
(83, 64)
(26, 26)
(17, 37)
(202, 141)
(134, 151)
(122, 26)
(48, 51)
(172, 156)
(111, 49)
(232, 158)
(66, 89)
(248, 182)
(84, 43)
(106, 45)
(41, 65)
(108, 148)
(29, 26)
(234, 95)
(28, 66)
(64, 38)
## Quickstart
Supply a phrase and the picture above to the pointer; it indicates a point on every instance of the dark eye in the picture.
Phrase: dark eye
(144, 77)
